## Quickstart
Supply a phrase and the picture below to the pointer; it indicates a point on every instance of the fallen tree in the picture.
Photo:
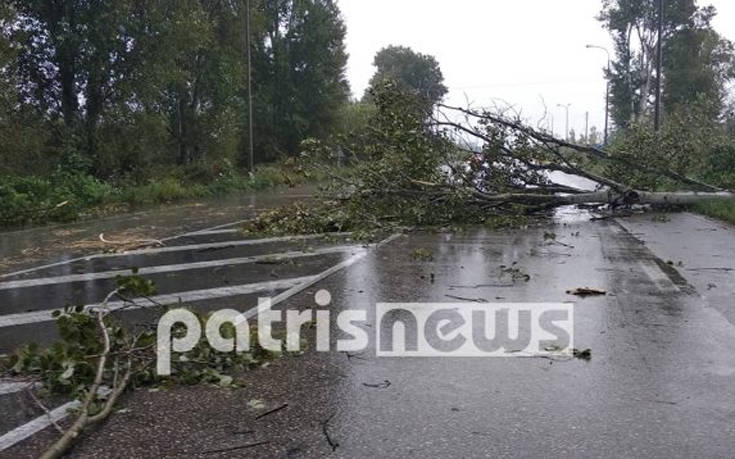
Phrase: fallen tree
(469, 166)
(551, 154)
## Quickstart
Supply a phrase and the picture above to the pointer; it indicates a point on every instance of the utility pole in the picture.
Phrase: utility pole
(587, 127)
(607, 90)
(250, 88)
(659, 61)
(552, 125)
(566, 133)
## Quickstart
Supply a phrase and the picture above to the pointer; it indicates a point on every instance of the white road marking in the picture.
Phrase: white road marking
(19, 434)
(179, 248)
(659, 278)
(319, 277)
(27, 430)
(213, 228)
(210, 233)
(25, 318)
(72, 260)
(13, 387)
(24, 283)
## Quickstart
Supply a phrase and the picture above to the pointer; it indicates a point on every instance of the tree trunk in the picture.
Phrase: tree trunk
(679, 198)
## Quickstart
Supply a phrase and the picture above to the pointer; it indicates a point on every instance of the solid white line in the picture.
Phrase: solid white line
(13, 387)
(319, 277)
(89, 257)
(180, 248)
(19, 434)
(209, 233)
(209, 245)
(172, 268)
(213, 228)
(26, 430)
(206, 230)
(13, 320)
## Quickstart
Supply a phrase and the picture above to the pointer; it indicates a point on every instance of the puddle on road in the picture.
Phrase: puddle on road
(571, 214)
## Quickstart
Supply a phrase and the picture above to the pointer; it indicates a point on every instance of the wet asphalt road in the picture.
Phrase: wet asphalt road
(31, 247)
(661, 381)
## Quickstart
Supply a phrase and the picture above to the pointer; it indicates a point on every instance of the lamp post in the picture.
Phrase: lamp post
(250, 88)
(659, 61)
(607, 90)
(566, 107)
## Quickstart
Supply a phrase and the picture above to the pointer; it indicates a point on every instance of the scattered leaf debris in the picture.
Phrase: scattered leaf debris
(256, 404)
(422, 255)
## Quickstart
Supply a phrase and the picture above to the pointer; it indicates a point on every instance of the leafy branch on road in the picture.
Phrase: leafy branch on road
(99, 358)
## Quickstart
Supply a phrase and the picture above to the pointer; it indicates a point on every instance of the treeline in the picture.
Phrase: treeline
(697, 130)
(697, 65)
(125, 89)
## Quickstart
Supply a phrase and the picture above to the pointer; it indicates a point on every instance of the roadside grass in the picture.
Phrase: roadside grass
(721, 210)
(67, 197)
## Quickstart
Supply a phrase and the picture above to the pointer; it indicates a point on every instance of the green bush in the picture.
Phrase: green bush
(721, 166)
(722, 210)
(71, 191)
(162, 191)
(690, 143)
(26, 200)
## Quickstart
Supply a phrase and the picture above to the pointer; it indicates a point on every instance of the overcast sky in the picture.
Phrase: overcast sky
(514, 50)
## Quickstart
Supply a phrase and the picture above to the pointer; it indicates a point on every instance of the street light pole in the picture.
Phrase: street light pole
(250, 88)
(566, 134)
(607, 90)
(552, 125)
(657, 114)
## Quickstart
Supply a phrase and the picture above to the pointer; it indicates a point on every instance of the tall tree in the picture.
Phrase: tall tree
(125, 84)
(73, 62)
(698, 64)
(633, 25)
(300, 82)
(414, 72)
(22, 135)
(203, 65)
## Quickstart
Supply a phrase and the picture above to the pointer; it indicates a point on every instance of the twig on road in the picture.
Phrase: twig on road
(29, 391)
(332, 444)
(274, 410)
(383, 385)
(472, 300)
(236, 448)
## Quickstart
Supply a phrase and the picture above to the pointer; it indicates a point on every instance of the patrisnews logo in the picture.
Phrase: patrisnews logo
(473, 329)
(402, 330)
